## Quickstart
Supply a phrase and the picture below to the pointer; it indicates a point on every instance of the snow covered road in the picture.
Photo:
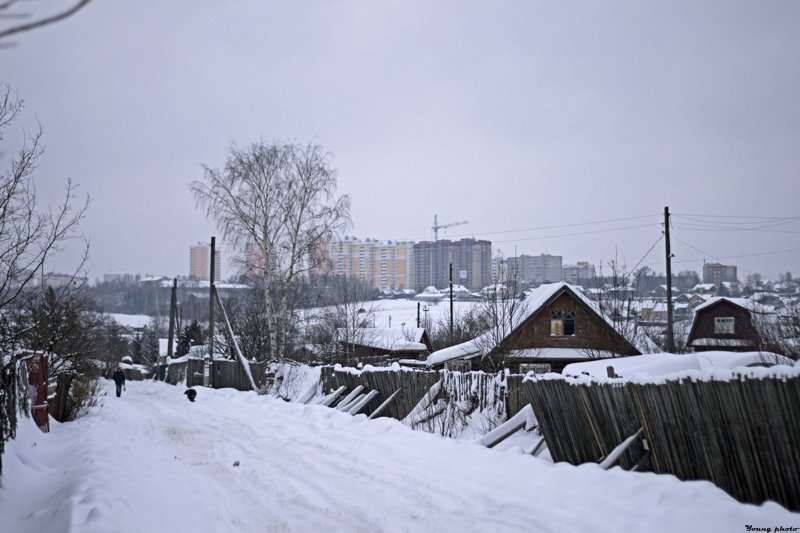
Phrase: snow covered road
(153, 461)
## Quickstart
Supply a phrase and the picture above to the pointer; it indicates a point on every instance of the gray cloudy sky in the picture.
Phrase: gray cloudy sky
(511, 115)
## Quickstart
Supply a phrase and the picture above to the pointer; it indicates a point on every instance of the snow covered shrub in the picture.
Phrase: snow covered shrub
(14, 399)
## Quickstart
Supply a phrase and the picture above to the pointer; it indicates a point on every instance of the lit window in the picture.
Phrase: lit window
(723, 324)
(562, 323)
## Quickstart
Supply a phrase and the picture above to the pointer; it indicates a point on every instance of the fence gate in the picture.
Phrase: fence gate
(37, 381)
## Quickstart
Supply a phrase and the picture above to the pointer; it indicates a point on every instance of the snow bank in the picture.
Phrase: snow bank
(152, 461)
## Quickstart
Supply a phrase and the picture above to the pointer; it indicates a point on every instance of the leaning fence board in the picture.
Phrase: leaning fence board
(524, 419)
(328, 400)
(350, 397)
(613, 457)
(417, 414)
(382, 406)
(345, 406)
(359, 405)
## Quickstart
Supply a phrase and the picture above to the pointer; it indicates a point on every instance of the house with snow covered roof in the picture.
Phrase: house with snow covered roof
(710, 289)
(369, 345)
(556, 325)
(733, 324)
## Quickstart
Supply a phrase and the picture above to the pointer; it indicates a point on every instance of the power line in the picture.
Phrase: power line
(542, 228)
(558, 236)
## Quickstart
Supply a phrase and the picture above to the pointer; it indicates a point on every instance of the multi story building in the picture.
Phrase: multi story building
(579, 273)
(382, 265)
(499, 268)
(200, 263)
(471, 260)
(718, 273)
(544, 268)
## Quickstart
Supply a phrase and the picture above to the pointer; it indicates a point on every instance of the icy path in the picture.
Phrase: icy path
(152, 461)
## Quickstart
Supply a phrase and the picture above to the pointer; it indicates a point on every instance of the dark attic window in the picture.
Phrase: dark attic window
(562, 323)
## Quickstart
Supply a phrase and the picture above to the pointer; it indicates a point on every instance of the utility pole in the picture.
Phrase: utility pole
(418, 306)
(173, 314)
(211, 306)
(670, 335)
(451, 303)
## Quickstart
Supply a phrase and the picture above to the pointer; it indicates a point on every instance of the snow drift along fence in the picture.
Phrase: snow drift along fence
(743, 435)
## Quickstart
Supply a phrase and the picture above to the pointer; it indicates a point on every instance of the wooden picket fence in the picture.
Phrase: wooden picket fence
(743, 435)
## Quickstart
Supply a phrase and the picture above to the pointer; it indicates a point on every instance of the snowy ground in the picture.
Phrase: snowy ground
(152, 461)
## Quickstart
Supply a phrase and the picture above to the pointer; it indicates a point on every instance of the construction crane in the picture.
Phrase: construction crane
(436, 226)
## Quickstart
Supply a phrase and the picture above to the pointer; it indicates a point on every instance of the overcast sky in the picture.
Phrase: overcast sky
(514, 116)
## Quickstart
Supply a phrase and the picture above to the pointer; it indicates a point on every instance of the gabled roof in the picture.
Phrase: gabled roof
(389, 339)
(744, 303)
(536, 301)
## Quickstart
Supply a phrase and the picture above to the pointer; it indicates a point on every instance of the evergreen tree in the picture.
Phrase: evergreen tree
(192, 335)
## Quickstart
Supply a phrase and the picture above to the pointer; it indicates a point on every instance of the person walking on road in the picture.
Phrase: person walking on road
(119, 379)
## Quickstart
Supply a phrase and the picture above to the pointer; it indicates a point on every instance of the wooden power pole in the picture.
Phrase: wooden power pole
(670, 334)
(451, 303)
(211, 307)
(173, 315)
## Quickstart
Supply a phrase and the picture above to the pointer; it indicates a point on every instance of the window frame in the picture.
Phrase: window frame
(724, 325)
(562, 323)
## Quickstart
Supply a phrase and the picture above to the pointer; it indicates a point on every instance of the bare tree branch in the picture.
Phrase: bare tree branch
(41, 22)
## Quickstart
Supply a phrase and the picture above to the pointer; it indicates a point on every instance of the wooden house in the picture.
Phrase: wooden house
(731, 324)
(372, 345)
(557, 326)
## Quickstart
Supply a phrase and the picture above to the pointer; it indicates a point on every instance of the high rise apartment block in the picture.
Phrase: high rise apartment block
(579, 273)
(717, 273)
(382, 265)
(200, 263)
(544, 268)
(471, 260)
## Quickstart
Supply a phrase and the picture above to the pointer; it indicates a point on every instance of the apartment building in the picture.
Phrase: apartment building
(471, 260)
(382, 265)
(200, 262)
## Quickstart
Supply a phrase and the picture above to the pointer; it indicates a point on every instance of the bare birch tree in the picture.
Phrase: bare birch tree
(277, 203)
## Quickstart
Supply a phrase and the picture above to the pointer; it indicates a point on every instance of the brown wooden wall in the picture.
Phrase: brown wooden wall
(591, 333)
(703, 327)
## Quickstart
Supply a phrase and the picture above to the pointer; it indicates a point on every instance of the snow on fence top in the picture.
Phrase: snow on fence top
(662, 367)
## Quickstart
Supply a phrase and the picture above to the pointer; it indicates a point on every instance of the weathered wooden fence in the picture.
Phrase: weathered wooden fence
(230, 374)
(195, 372)
(226, 374)
(412, 386)
(176, 373)
(583, 423)
(743, 435)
